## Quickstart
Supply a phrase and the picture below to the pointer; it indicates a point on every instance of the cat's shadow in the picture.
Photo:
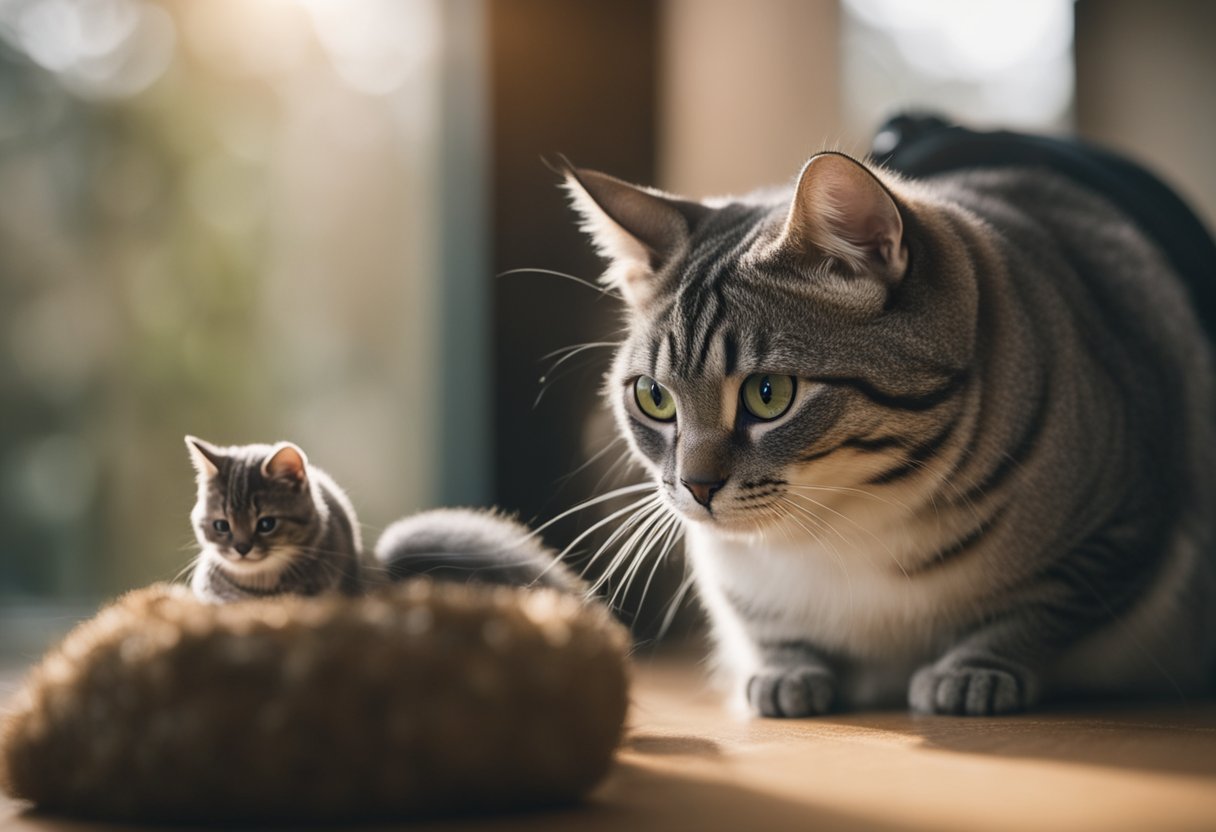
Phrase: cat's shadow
(672, 745)
(1153, 738)
(1164, 739)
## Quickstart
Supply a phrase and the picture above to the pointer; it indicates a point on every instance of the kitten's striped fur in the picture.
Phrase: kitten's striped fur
(313, 543)
(996, 479)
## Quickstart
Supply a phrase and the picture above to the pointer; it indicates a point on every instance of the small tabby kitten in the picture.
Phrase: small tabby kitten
(946, 441)
(268, 523)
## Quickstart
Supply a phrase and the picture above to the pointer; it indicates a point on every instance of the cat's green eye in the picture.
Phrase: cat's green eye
(768, 396)
(654, 399)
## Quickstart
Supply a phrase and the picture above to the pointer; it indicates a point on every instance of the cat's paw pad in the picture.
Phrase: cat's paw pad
(791, 692)
(967, 691)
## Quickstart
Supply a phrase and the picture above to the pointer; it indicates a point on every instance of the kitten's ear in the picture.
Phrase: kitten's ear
(286, 462)
(638, 229)
(841, 210)
(205, 456)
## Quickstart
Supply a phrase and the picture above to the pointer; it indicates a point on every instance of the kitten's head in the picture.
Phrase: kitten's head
(256, 512)
(778, 342)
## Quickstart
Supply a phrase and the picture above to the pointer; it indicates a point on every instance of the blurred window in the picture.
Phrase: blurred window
(224, 218)
(985, 62)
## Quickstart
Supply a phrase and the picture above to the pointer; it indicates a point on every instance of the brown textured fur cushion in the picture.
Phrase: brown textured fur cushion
(422, 699)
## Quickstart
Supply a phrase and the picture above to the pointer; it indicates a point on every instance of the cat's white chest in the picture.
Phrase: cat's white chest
(848, 596)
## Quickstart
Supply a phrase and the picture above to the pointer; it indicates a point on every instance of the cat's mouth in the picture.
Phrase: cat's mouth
(260, 573)
(252, 563)
(725, 515)
(252, 557)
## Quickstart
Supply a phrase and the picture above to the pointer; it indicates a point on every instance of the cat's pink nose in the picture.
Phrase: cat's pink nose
(703, 491)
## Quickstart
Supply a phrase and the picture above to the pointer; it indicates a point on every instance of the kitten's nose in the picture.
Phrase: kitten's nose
(243, 548)
(703, 491)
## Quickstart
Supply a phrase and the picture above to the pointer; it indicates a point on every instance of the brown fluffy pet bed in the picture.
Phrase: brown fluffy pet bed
(422, 699)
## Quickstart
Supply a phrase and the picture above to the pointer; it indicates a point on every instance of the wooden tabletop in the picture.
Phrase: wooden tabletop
(689, 764)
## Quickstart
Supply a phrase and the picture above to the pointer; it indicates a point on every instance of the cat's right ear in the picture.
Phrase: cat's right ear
(286, 462)
(841, 210)
(638, 229)
(205, 456)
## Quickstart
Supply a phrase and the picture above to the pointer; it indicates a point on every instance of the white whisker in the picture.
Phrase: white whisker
(655, 526)
(674, 606)
(603, 290)
(645, 520)
(672, 532)
(575, 349)
(635, 509)
(594, 458)
(860, 492)
(585, 504)
(836, 554)
(882, 543)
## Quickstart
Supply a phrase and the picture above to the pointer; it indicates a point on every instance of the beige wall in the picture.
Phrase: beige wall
(747, 91)
(1146, 85)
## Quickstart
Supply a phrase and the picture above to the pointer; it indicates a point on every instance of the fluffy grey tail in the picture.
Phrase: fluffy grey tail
(470, 546)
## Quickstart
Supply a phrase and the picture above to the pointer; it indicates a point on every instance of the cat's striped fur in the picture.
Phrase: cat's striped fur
(996, 480)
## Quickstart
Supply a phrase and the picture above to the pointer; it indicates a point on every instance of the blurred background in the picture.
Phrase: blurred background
(262, 219)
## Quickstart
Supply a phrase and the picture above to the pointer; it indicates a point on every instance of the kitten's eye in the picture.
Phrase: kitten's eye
(654, 399)
(220, 526)
(266, 524)
(767, 397)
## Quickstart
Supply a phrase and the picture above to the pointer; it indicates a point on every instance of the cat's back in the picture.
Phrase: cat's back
(1077, 260)
(342, 518)
(343, 536)
(1043, 219)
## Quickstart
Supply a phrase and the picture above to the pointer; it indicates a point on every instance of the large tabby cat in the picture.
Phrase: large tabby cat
(947, 441)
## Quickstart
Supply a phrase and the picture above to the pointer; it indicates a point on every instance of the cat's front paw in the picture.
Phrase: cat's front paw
(791, 691)
(968, 690)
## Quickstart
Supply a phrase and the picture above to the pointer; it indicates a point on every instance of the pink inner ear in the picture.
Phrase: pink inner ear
(841, 209)
(866, 215)
(286, 463)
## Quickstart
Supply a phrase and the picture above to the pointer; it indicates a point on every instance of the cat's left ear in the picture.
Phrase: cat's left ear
(286, 462)
(639, 229)
(841, 210)
(204, 456)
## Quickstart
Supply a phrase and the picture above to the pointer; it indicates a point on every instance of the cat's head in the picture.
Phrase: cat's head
(779, 343)
(256, 512)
